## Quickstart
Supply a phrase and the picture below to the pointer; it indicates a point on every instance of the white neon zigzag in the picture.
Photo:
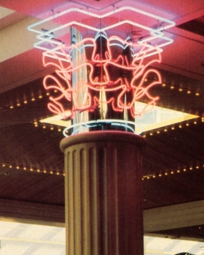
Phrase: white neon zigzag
(156, 33)
(172, 23)
(48, 53)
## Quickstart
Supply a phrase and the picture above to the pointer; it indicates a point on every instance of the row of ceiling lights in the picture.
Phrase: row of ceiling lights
(51, 127)
(180, 89)
(171, 128)
(178, 171)
(26, 101)
(145, 177)
(31, 169)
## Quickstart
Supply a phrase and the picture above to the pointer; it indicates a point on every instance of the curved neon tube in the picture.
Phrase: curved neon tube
(120, 85)
(95, 123)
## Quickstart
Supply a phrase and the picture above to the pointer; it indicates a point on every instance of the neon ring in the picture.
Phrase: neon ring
(98, 123)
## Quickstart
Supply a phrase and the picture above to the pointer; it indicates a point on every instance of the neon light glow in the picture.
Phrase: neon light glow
(120, 86)
(95, 123)
(157, 118)
(118, 70)
(156, 35)
(160, 117)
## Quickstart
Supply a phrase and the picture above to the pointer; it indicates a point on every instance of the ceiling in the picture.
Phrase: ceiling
(31, 163)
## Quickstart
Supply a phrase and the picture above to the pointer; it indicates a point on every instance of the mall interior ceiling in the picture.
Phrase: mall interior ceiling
(31, 163)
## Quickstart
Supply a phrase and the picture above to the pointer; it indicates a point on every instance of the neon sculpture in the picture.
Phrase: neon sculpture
(120, 85)
(156, 32)
(102, 90)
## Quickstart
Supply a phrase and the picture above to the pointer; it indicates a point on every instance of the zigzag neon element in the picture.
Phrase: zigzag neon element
(156, 34)
(136, 86)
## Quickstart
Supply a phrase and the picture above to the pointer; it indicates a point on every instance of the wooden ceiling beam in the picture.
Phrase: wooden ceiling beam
(174, 216)
(156, 219)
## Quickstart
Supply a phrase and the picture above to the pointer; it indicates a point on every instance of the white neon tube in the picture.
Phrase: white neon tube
(155, 32)
(171, 23)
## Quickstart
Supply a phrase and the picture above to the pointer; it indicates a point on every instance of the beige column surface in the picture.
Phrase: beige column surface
(103, 193)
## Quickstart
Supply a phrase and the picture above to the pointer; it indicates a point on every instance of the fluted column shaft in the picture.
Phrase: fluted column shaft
(103, 194)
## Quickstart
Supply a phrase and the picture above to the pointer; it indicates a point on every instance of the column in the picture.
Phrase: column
(103, 193)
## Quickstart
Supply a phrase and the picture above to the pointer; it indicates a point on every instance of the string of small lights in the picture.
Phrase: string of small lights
(47, 126)
(171, 172)
(145, 177)
(173, 127)
(173, 86)
(188, 91)
(26, 100)
(31, 169)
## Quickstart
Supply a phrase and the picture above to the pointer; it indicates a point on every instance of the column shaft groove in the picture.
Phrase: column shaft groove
(103, 192)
